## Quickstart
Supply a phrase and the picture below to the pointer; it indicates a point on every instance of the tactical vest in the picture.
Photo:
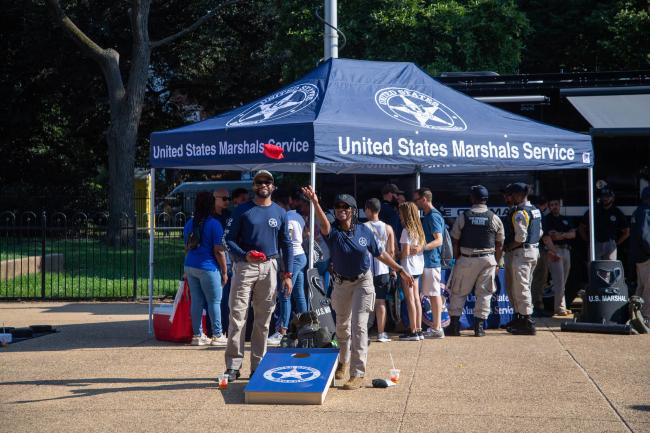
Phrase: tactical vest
(477, 232)
(534, 224)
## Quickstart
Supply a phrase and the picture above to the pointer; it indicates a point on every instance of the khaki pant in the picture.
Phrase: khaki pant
(559, 274)
(643, 285)
(353, 302)
(519, 271)
(472, 273)
(256, 281)
(540, 280)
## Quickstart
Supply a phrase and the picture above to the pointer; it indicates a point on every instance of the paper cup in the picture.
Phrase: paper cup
(394, 375)
(223, 381)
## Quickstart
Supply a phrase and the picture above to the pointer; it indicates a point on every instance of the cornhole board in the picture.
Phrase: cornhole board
(292, 376)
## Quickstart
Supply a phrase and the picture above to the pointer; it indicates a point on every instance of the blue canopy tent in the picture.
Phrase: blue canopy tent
(366, 117)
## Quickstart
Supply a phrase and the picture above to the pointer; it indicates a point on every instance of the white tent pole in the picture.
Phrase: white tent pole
(592, 238)
(417, 178)
(312, 182)
(152, 216)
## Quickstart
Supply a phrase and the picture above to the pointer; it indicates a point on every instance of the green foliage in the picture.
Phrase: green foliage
(586, 35)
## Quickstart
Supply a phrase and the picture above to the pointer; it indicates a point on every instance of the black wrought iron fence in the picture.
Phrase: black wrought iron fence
(63, 256)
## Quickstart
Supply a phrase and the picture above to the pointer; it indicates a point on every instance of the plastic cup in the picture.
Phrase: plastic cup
(223, 381)
(394, 375)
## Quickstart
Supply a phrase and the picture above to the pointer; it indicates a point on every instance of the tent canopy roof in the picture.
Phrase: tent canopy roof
(370, 117)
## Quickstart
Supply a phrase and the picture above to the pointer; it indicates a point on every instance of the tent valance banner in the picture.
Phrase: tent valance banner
(367, 117)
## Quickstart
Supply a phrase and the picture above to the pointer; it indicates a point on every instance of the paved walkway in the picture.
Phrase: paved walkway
(102, 372)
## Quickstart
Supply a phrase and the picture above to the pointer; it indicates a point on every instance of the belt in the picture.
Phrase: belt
(264, 261)
(340, 278)
(477, 255)
(526, 246)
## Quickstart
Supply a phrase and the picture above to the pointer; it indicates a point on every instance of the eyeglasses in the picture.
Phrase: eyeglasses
(264, 182)
(342, 207)
(224, 198)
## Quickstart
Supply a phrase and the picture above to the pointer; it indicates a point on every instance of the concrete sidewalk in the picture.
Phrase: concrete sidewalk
(102, 372)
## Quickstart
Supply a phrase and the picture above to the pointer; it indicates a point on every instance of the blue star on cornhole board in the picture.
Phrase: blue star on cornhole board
(292, 376)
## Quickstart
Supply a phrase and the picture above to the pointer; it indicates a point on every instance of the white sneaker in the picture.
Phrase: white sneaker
(434, 333)
(274, 340)
(221, 340)
(383, 337)
(200, 340)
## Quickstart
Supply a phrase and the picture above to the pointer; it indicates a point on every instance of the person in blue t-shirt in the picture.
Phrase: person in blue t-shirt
(433, 225)
(353, 296)
(205, 269)
(257, 233)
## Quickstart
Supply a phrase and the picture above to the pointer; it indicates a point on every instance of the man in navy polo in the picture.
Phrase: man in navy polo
(353, 296)
(254, 237)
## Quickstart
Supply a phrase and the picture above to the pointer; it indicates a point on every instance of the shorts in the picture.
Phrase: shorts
(382, 286)
(430, 282)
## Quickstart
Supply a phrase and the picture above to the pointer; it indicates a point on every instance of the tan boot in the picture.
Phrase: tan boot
(341, 371)
(355, 382)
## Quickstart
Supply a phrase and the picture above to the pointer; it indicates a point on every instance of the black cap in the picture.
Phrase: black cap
(479, 192)
(347, 199)
(517, 187)
(391, 187)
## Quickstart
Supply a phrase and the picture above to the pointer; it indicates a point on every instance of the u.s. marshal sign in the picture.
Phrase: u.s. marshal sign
(419, 109)
(278, 105)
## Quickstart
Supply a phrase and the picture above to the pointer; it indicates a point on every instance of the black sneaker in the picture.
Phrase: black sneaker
(232, 374)
(409, 336)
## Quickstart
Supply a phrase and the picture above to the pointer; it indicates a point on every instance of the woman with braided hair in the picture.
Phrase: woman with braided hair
(353, 296)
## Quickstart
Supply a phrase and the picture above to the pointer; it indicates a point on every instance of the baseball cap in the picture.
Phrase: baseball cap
(263, 173)
(645, 194)
(516, 187)
(479, 192)
(391, 187)
(347, 199)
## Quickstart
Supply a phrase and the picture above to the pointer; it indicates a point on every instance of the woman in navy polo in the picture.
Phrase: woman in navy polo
(353, 296)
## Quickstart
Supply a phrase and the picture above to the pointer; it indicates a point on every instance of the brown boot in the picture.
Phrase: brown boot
(355, 382)
(341, 371)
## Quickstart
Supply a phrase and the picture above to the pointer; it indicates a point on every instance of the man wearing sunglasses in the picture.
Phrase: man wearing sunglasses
(353, 296)
(255, 235)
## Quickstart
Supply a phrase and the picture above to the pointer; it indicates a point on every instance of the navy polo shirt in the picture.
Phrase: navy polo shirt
(259, 228)
(640, 234)
(389, 215)
(349, 250)
(558, 223)
(609, 222)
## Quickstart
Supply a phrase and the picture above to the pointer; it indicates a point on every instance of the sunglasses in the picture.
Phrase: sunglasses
(225, 198)
(342, 207)
(263, 182)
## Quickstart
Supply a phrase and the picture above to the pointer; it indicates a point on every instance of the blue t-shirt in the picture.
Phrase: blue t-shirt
(259, 228)
(203, 256)
(432, 223)
(349, 250)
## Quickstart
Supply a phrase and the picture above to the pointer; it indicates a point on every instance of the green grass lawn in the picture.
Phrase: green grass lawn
(95, 270)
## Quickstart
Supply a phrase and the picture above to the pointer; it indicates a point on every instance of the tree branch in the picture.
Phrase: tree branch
(194, 26)
(87, 45)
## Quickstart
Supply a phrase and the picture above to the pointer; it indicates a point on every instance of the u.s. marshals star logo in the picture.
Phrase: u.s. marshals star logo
(291, 374)
(273, 222)
(281, 104)
(419, 109)
(363, 241)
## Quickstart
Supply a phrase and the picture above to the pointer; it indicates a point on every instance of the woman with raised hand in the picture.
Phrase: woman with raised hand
(353, 296)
